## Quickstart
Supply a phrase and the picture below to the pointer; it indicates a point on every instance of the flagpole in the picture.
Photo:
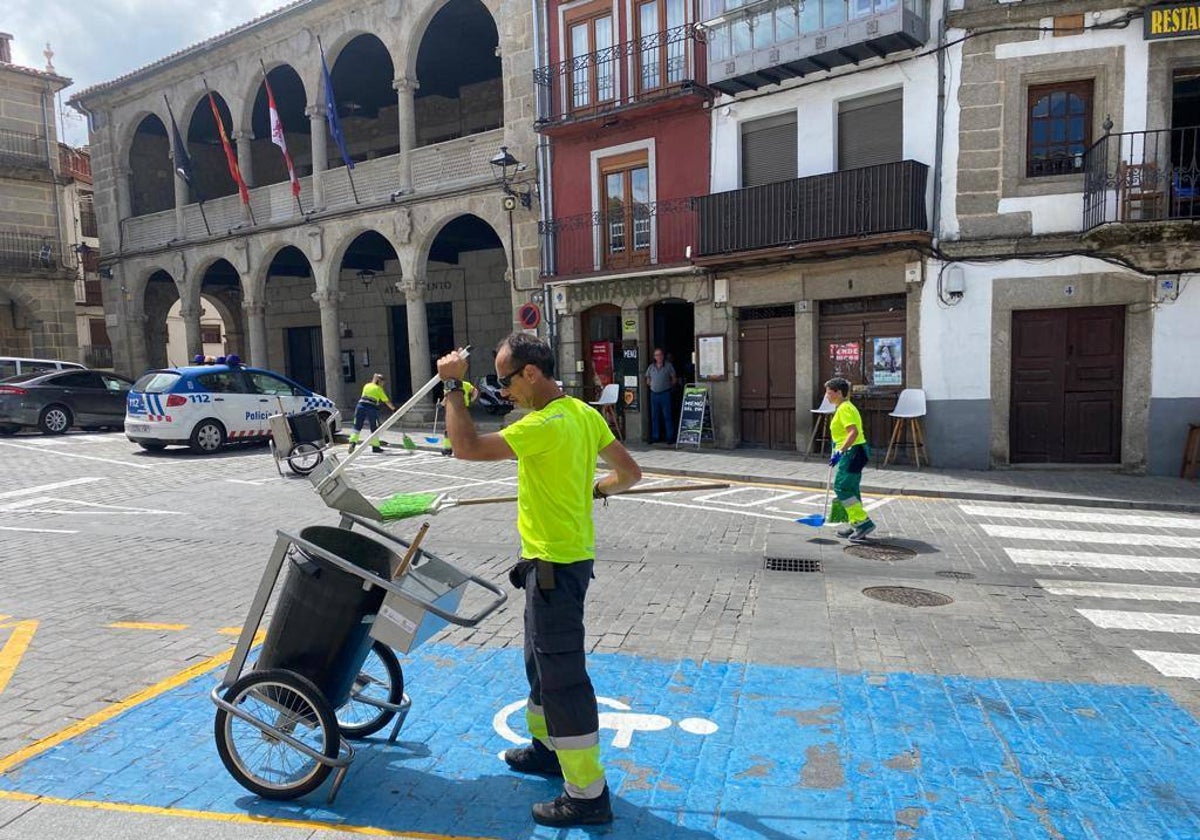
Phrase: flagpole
(230, 158)
(331, 118)
(199, 195)
(287, 158)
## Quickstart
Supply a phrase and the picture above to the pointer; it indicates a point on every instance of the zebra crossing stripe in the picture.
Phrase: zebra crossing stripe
(1126, 591)
(1147, 621)
(1172, 664)
(1141, 563)
(1090, 517)
(1017, 532)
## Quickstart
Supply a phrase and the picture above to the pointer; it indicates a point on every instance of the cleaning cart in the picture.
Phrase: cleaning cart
(326, 672)
(300, 440)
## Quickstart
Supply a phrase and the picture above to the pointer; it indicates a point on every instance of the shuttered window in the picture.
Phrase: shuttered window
(871, 130)
(769, 150)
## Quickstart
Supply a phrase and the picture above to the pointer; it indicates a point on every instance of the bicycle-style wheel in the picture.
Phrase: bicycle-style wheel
(380, 678)
(304, 458)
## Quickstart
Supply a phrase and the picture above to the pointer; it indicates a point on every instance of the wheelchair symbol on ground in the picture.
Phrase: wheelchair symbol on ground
(624, 722)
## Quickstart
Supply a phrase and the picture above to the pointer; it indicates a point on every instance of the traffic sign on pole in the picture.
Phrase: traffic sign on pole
(529, 315)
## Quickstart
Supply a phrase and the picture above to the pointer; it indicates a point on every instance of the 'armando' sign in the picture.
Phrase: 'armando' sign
(1179, 20)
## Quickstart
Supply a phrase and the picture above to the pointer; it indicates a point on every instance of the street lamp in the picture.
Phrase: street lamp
(507, 168)
(366, 275)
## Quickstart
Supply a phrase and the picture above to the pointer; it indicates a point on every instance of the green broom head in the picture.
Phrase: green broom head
(407, 505)
(408, 443)
(837, 512)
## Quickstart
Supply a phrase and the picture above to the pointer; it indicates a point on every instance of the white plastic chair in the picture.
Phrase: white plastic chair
(820, 431)
(606, 406)
(909, 410)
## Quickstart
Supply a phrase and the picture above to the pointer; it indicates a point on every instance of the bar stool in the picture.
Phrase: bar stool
(910, 408)
(820, 432)
(606, 405)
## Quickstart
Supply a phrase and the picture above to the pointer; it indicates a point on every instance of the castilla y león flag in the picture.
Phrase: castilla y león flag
(278, 139)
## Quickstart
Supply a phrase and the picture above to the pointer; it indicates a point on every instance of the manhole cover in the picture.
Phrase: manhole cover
(955, 575)
(879, 551)
(908, 596)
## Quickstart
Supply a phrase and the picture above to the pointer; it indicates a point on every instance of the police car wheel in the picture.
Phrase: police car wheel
(54, 420)
(304, 458)
(207, 437)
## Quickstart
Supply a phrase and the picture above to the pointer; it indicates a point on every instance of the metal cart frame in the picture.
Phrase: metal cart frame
(302, 456)
(284, 542)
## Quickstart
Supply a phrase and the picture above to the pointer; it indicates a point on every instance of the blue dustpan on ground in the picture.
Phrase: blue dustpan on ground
(816, 520)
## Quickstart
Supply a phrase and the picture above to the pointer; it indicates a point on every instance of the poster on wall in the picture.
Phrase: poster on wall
(846, 358)
(602, 363)
(889, 363)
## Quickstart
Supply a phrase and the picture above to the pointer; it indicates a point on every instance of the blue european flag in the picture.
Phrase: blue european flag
(331, 114)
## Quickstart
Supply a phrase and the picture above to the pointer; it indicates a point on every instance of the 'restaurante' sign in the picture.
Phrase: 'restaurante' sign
(1177, 20)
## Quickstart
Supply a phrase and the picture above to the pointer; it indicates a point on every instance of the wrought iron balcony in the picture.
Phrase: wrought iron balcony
(30, 252)
(23, 150)
(885, 199)
(97, 355)
(659, 66)
(1142, 176)
(622, 238)
(88, 291)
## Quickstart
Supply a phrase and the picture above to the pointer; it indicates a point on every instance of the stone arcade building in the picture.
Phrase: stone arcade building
(376, 268)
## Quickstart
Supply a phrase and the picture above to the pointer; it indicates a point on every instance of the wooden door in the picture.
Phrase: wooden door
(1067, 382)
(767, 350)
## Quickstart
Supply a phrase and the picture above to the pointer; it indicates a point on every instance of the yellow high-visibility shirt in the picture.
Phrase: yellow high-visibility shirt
(846, 415)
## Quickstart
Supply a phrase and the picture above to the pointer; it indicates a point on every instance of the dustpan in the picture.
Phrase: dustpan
(338, 493)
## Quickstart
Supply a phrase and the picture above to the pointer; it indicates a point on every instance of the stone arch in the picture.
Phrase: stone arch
(420, 24)
(338, 254)
(147, 154)
(362, 69)
(159, 292)
(291, 98)
(20, 317)
(433, 226)
(220, 282)
(210, 171)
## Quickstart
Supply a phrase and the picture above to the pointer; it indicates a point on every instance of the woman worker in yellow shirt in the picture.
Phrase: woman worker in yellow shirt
(850, 455)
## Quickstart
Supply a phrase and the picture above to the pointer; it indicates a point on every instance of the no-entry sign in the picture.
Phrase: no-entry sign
(529, 315)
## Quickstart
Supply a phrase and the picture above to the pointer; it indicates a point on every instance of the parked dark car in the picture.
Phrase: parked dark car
(54, 401)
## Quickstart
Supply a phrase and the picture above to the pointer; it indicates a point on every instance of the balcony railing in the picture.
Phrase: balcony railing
(655, 67)
(1142, 176)
(24, 150)
(88, 292)
(620, 240)
(886, 198)
(30, 252)
(97, 355)
(75, 163)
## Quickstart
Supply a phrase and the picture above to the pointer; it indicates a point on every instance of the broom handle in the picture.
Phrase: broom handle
(421, 393)
(411, 553)
(634, 491)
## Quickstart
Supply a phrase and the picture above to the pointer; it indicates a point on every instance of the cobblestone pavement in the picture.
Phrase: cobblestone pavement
(1071, 629)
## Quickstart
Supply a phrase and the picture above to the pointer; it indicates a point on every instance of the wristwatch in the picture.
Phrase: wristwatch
(449, 386)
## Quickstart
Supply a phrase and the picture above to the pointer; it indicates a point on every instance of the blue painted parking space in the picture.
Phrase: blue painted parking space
(701, 750)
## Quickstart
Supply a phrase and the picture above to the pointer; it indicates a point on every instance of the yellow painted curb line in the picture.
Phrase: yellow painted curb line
(14, 649)
(146, 625)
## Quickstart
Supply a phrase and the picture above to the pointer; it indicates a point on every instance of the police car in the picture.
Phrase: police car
(206, 405)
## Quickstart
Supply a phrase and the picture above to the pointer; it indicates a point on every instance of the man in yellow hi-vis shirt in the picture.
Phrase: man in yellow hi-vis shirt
(555, 445)
(367, 410)
(850, 455)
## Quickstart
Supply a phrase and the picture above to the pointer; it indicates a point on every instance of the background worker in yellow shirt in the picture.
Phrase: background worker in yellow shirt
(555, 445)
(367, 410)
(850, 455)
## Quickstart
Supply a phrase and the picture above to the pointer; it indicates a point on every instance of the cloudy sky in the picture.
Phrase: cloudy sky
(97, 40)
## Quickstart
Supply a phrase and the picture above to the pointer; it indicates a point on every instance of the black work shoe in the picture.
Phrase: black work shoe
(845, 531)
(567, 810)
(535, 758)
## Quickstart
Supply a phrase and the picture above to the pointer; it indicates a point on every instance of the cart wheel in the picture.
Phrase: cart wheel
(275, 455)
(304, 458)
(381, 678)
(260, 761)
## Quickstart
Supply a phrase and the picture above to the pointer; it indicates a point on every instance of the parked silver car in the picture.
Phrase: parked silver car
(54, 401)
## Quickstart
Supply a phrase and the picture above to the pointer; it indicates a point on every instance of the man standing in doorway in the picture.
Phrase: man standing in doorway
(556, 445)
(661, 379)
(367, 410)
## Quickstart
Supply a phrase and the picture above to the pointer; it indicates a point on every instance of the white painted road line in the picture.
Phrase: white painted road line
(1123, 519)
(1041, 557)
(1148, 621)
(81, 457)
(37, 530)
(1017, 532)
(1126, 591)
(1172, 664)
(45, 488)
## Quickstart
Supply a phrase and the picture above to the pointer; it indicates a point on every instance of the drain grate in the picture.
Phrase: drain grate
(955, 575)
(879, 551)
(908, 596)
(791, 564)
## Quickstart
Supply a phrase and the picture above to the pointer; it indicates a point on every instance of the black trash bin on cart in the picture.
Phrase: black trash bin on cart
(322, 619)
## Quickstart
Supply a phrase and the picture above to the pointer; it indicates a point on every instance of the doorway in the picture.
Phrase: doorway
(305, 359)
(1185, 143)
(767, 351)
(440, 320)
(601, 334)
(673, 328)
(1067, 382)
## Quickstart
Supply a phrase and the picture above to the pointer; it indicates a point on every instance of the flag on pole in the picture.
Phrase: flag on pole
(331, 114)
(183, 161)
(278, 139)
(230, 156)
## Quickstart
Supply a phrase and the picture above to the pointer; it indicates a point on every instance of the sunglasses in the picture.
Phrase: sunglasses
(506, 381)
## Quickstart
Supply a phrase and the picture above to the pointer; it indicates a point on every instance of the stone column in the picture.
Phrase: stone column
(124, 194)
(418, 331)
(245, 158)
(406, 90)
(136, 341)
(256, 325)
(331, 341)
(316, 124)
(191, 328)
(181, 202)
